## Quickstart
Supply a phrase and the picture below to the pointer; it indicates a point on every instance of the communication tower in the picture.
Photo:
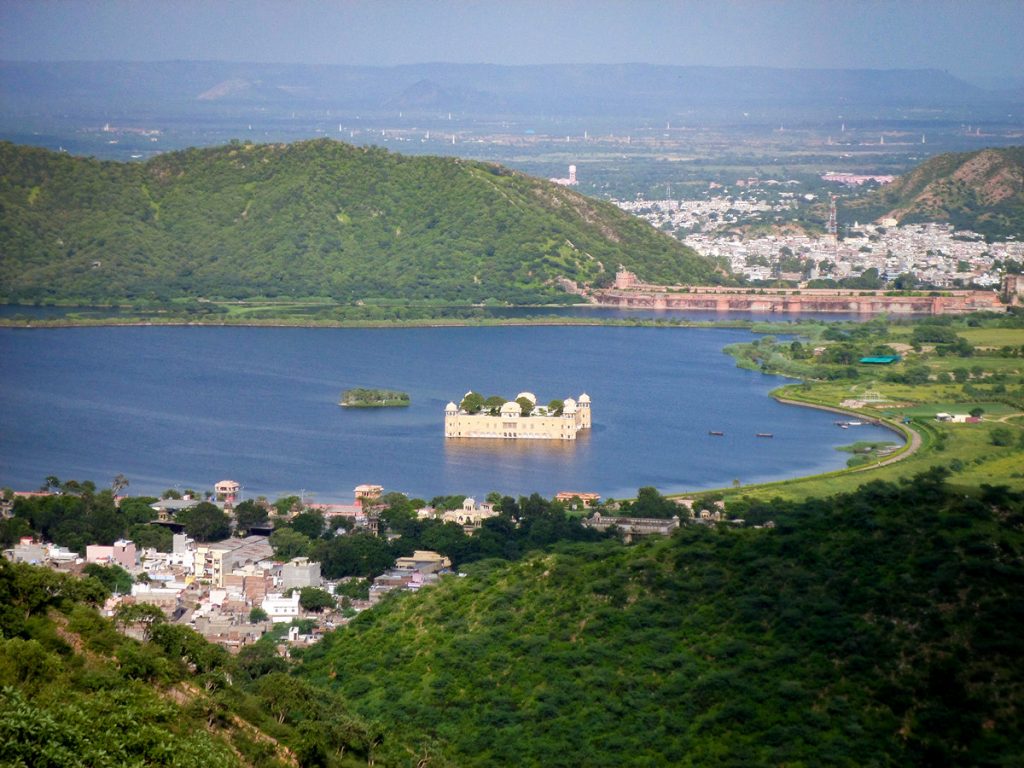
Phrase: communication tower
(833, 229)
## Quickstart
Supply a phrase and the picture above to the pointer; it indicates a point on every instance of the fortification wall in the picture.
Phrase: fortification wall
(828, 301)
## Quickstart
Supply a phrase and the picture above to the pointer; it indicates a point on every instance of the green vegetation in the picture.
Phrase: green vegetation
(76, 692)
(373, 398)
(980, 191)
(874, 628)
(205, 522)
(79, 515)
(316, 220)
(523, 525)
(949, 365)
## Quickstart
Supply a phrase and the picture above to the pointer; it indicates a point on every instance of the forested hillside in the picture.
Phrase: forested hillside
(982, 191)
(76, 692)
(876, 628)
(312, 219)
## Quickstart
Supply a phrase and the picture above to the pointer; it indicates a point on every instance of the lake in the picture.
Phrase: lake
(188, 406)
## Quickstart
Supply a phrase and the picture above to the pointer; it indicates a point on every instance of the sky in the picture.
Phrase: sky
(978, 40)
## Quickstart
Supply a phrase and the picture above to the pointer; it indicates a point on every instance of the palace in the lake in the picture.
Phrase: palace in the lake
(508, 422)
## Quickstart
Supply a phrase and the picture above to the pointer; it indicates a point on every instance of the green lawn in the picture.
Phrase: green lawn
(993, 337)
(930, 409)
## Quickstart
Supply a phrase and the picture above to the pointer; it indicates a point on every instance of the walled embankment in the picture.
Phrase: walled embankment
(828, 301)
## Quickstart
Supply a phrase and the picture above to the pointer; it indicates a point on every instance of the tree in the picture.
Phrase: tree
(286, 504)
(525, 405)
(119, 484)
(288, 543)
(205, 522)
(472, 402)
(976, 412)
(114, 577)
(316, 600)
(148, 536)
(357, 589)
(555, 407)
(494, 403)
(143, 615)
(1001, 436)
(256, 615)
(249, 514)
(357, 554)
(309, 524)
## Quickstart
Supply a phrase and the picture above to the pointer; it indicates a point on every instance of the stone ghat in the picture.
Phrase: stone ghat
(850, 302)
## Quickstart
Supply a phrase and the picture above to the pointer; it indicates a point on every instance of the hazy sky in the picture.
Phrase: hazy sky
(975, 39)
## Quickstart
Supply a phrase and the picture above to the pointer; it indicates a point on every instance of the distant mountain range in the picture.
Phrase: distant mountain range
(310, 219)
(563, 90)
(981, 191)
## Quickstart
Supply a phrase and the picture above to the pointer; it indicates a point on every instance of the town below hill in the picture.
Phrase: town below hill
(236, 571)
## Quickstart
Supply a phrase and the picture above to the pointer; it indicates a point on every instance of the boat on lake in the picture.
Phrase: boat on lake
(715, 433)
(764, 434)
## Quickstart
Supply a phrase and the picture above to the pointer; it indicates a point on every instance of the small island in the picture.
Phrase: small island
(373, 398)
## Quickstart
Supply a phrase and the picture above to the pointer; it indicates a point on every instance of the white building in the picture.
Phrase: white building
(281, 609)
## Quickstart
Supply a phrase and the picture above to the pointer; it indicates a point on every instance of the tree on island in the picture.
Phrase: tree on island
(555, 407)
(525, 405)
(472, 402)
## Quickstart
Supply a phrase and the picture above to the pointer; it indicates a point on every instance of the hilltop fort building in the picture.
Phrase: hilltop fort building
(507, 422)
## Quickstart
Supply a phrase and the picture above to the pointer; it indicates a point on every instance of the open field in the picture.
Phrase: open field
(993, 337)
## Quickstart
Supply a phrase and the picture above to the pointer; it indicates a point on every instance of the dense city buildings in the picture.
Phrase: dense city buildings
(933, 255)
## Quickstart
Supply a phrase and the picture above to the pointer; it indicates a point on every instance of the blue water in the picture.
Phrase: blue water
(186, 407)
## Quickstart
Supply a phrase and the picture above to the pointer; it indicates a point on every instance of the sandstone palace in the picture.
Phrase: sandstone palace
(519, 419)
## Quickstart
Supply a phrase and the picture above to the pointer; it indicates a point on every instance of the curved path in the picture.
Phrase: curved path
(912, 445)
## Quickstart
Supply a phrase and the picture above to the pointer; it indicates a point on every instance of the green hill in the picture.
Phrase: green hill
(876, 628)
(75, 692)
(982, 191)
(311, 219)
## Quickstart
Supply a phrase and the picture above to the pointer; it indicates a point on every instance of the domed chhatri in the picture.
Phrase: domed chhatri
(518, 419)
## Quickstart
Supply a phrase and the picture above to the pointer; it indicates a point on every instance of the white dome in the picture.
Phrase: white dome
(569, 406)
(584, 398)
(451, 407)
(528, 395)
(511, 408)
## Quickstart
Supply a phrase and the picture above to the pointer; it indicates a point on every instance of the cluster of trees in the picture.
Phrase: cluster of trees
(474, 402)
(876, 627)
(78, 514)
(316, 219)
(523, 525)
